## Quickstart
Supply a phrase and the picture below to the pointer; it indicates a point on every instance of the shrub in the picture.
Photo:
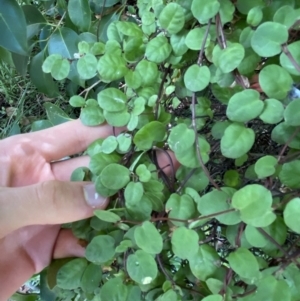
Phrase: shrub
(212, 81)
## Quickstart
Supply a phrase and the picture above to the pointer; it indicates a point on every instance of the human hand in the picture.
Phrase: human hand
(36, 197)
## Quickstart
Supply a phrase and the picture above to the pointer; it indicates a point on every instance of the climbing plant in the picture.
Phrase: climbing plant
(214, 83)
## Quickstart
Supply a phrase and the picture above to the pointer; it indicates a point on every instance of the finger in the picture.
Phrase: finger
(67, 245)
(47, 203)
(63, 170)
(63, 140)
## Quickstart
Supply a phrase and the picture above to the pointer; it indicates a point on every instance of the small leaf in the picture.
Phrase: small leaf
(107, 216)
(148, 238)
(185, 243)
(60, 69)
(115, 176)
(133, 193)
(147, 71)
(87, 66)
(275, 81)
(195, 37)
(244, 263)
(291, 214)
(265, 166)
(158, 49)
(289, 174)
(109, 144)
(197, 78)
(69, 275)
(171, 18)
(143, 173)
(149, 134)
(254, 16)
(101, 249)
(112, 100)
(55, 114)
(77, 101)
(268, 38)
(285, 61)
(231, 57)
(237, 141)
(91, 278)
(292, 113)
(203, 10)
(272, 112)
(244, 106)
(141, 267)
(114, 289)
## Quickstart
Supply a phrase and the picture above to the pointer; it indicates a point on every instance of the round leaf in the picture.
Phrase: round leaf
(290, 173)
(114, 290)
(268, 38)
(171, 18)
(158, 49)
(292, 113)
(272, 112)
(112, 100)
(148, 72)
(77, 101)
(244, 106)
(275, 81)
(107, 216)
(141, 267)
(237, 141)
(184, 243)
(87, 66)
(91, 278)
(101, 249)
(286, 63)
(194, 38)
(197, 78)
(231, 57)
(203, 10)
(115, 176)
(265, 166)
(148, 238)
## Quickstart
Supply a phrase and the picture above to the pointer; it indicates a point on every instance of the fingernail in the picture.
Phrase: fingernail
(92, 197)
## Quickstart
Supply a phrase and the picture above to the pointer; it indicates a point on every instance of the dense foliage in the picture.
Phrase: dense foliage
(178, 75)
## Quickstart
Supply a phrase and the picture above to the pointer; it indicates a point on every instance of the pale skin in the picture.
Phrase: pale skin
(36, 197)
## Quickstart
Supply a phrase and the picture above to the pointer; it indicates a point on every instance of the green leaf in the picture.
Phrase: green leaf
(91, 278)
(117, 119)
(124, 246)
(275, 81)
(244, 6)
(180, 207)
(91, 115)
(148, 72)
(230, 57)
(244, 263)
(292, 113)
(111, 67)
(99, 161)
(150, 133)
(272, 112)
(80, 14)
(101, 249)
(115, 176)
(171, 18)
(268, 38)
(133, 79)
(109, 144)
(112, 100)
(227, 10)
(114, 290)
(244, 106)
(197, 78)
(63, 41)
(148, 238)
(13, 27)
(195, 37)
(282, 134)
(272, 288)
(205, 262)
(265, 166)
(107, 216)
(286, 15)
(55, 115)
(143, 173)
(77, 101)
(291, 214)
(124, 143)
(255, 16)
(254, 203)
(285, 61)
(217, 201)
(254, 237)
(203, 10)
(50, 61)
(237, 141)
(141, 267)
(60, 69)
(290, 173)
(87, 66)
(178, 44)
(69, 275)
(181, 138)
(158, 49)
(133, 193)
(213, 298)
(129, 29)
(185, 243)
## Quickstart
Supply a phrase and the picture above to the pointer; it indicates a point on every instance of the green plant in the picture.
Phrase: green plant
(177, 75)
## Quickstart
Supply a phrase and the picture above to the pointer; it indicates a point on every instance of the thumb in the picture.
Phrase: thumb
(47, 203)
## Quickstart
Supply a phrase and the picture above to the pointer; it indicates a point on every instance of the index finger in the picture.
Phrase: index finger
(65, 139)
